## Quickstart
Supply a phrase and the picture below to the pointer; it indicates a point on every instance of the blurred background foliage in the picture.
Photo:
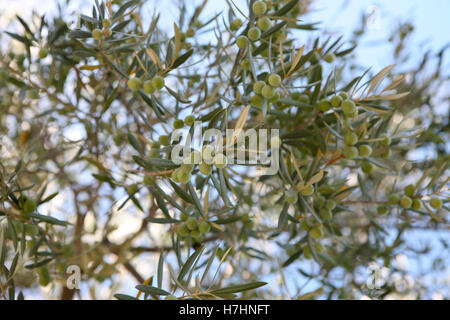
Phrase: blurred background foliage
(85, 178)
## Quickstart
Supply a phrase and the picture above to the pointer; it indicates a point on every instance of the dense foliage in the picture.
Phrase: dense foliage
(87, 178)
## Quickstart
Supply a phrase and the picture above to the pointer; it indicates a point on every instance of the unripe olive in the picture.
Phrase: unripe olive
(367, 167)
(170, 297)
(178, 124)
(258, 86)
(275, 142)
(274, 80)
(134, 84)
(245, 64)
(264, 23)
(254, 33)
(205, 168)
(164, 140)
(43, 53)
(235, 24)
(97, 34)
(189, 120)
(410, 190)
(382, 210)
(308, 191)
(353, 114)
(106, 23)
(326, 214)
(316, 233)
(184, 216)
(436, 203)
(330, 204)
(336, 101)
(174, 175)
(184, 176)
(324, 105)
(350, 152)
(191, 223)
(183, 231)
(154, 153)
(303, 98)
(242, 42)
(267, 91)
(394, 199)
(158, 82)
(329, 57)
(276, 96)
(405, 202)
(188, 167)
(320, 201)
(148, 87)
(385, 141)
(259, 8)
(305, 225)
(196, 235)
(348, 106)
(351, 139)
(29, 206)
(44, 276)
(257, 101)
(365, 150)
(416, 204)
(291, 196)
(204, 227)
(220, 161)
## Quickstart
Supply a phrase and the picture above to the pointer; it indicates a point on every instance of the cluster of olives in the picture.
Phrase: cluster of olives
(263, 23)
(98, 34)
(408, 200)
(192, 228)
(149, 86)
(325, 207)
(208, 157)
(188, 121)
(351, 150)
(183, 173)
(342, 101)
(266, 91)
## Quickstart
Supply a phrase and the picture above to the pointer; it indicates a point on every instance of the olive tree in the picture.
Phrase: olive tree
(89, 177)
